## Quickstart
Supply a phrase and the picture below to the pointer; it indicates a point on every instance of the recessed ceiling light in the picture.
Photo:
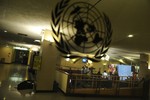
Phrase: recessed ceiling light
(130, 35)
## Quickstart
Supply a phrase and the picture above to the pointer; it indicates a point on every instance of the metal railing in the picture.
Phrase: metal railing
(111, 85)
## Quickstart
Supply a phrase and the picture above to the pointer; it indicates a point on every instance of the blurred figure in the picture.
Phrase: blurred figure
(104, 74)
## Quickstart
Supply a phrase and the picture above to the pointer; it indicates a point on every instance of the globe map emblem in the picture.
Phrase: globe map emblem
(83, 27)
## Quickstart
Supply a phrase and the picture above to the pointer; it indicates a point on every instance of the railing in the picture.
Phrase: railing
(98, 85)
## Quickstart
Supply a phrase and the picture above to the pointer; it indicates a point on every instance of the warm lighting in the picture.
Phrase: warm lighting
(130, 35)
(47, 35)
(102, 58)
(35, 48)
(50, 39)
(104, 64)
(20, 48)
(73, 60)
(129, 58)
(67, 59)
(105, 58)
(37, 41)
(149, 63)
(120, 60)
(35, 29)
(68, 55)
(89, 61)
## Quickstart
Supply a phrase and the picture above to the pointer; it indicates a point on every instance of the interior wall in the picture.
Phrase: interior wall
(6, 54)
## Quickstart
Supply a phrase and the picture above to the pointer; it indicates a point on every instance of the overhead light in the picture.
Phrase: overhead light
(149, 63)
(20, 48)
(35, 49)
(37, 41)
(89, 61)
(68, 55)
(67, 59)
(130, 35)
(47, 35)
(73, 60)
(121, 60)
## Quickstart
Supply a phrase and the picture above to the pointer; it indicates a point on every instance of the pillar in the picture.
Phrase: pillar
(144, 62)
(46, 74)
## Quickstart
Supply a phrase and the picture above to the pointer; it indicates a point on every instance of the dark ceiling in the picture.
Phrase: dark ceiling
(30, 17)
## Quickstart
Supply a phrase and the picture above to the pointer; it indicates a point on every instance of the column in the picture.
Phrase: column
(144, 62)
(46, 74)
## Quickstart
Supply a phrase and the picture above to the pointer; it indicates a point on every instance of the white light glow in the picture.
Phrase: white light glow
(89, 61)
(120, 60)
(149, 63)
(68, 55)
(37, 41)
(130, 35)
(20, 48)
(104, 64)
(16, 79)
(35, 48)
(73, 60)
(47, 35)
(67, 59)
(36, 29)
(105, 58)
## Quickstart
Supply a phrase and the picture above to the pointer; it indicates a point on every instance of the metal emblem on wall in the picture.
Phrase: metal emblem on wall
(80, 27)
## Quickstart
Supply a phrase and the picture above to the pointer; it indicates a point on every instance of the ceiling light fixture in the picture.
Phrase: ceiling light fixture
(20, 48)
(67, 59)
(37, 41)
(130, 35)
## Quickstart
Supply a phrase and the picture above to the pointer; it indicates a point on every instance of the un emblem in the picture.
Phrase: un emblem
(80, 27)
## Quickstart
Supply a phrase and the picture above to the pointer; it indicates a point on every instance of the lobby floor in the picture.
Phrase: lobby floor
(13, 74)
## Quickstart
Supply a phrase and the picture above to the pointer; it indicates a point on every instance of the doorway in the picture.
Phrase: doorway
(21, 56)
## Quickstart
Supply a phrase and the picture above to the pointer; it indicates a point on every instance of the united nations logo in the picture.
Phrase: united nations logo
(80, 27)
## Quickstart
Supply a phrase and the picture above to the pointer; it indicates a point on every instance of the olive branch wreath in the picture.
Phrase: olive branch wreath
(63, 47)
